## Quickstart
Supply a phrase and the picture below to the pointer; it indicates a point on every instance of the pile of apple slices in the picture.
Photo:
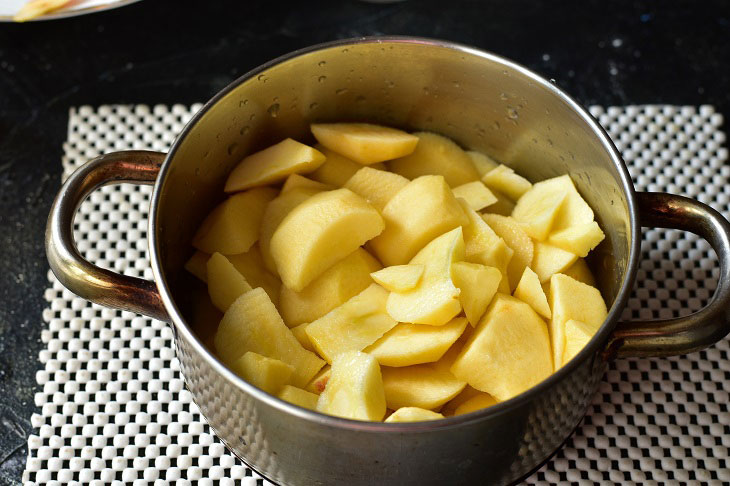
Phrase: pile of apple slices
(403, 277)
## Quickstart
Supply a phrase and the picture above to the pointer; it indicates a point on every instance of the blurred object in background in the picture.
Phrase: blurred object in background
(24, 10)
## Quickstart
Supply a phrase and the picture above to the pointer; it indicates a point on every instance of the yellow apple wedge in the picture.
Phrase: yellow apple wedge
(234, 225)
(435, 300)
(465, 395)
(578, 239)
(353, 326)
(337, 169)
(319, 382)
(273, 164)
(355, 388)
(319, 232)
(478, 284)
(225, 283)
(478, 402)
(251, 265)
(504, 180)
(295, 181)
(530, 291)
(436, 155)
(269, 374)
(334, 287)
(537, 208)
(252, 323)
(300, 332)
(418, 213)
(574, 210)
(577, 335)
(376, 186)
(504, 205)
(413, 414)
(516, 238)
(508, 352)
(476, 195)
(549, 260)
(580, 271)
(274, 214)
(572, 300)
(424, 386)
(410, 344)
(364, 143)
(399, 278)
(197, 265)
(299, 397)
(482, 162)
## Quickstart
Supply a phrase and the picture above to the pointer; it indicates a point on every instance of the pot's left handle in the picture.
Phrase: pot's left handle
(83, 278)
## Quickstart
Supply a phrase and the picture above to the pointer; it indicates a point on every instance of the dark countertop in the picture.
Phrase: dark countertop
(159, 51)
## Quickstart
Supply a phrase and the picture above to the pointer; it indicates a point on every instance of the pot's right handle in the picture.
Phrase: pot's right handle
(705, 327)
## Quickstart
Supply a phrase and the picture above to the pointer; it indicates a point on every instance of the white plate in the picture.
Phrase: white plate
(8, 8)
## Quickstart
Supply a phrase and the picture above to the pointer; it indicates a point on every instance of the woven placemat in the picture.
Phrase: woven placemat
(114, 410)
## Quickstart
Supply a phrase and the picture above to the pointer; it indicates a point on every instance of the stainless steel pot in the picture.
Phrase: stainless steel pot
(482, 101)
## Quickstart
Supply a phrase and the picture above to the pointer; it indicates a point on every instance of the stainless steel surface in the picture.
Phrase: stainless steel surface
(703, 328)
(482, 101)
(72, 270)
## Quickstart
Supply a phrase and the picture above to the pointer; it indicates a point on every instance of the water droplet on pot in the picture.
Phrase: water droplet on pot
(360, 99)
(245, 130)
(322, 79)
(232, 148)
(496, 125)
(456, 84)
(322, 63)
(341, 91)
(503, 96)
(261, 77)
(313, 106)
(253, 115)
(273, 110)
(197, 171)
(552, 80)
(512, 114)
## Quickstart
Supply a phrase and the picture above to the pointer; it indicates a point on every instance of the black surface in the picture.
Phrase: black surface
(160, 51)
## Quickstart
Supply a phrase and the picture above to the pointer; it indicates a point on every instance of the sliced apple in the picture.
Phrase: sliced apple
(580, 271)
(476, 195)
(319, 382)
(274, 214)
(574, 210)
(482, 162)
(504, 205)
(299, 397)
(353, 326)
(252, 323)
(273, 164)
(376, 186)
(516, 238)
(300, 332)
(549, 260)
(508, 352)
(418, 213)
(577, 335)
(269, 374)
(530, 291)
(424, 386)
(364, 143)
(197, 265)
(435, 300)
(225, 283)
(336, 170)
(295, 181)
(504, 180)
(413, 414)
(570, 299)
(578, 239)
(233, 226)
(343, 280)
(478, 284)
(251, 265)
(399, 278)
(355, 388)
(436, 155)
(536, 210)
(466, 394)
(410, 344)
(320, 232)
(478, 402)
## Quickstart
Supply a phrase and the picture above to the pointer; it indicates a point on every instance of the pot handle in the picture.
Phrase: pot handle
(81, 277)
(667, 337)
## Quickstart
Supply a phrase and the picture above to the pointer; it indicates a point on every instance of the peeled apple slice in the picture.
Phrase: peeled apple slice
(536, 210)
(355, 388)
(295, 181)
(319, 232)
(252, 323)
(225, 283)
(251, 266)
(334, 287)
(549, 260)
(299, 397)
(410, 344)
(423, 386)
(337, 169)
(418, 213)
(399, 278)
(478, 284)
(377, 186)
(579, 239)
(234, 225)
(508, 352)
(197, 265)
(506, 181)
(574, 210)
(476, 195)
(436, 155)
(435, 300)
(482, 162)
(413, 414)
(266, 373)
(530, 291)
(516, 238)
(580, 271)
(353, 326)
(577, 335)
(364, 143)
(273, 164)
(478, 402)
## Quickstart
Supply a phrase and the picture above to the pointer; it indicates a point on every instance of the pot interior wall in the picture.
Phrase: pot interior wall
(478, 101)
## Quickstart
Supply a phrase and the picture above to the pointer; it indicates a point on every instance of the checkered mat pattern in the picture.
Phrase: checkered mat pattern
(113, 408)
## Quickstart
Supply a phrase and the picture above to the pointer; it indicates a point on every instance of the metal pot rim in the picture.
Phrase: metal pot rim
(591, 351)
